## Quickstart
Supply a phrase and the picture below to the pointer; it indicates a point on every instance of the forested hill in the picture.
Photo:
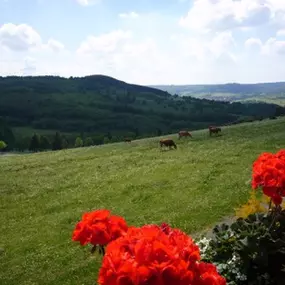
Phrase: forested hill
(52, 84)
(266, 92)
(234, 88)
(103, 105)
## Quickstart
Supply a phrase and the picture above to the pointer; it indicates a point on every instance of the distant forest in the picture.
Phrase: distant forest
(98, 109)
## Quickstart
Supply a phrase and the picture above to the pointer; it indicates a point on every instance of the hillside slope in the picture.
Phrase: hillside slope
(103, 105)
(43, 195)
(266, 92)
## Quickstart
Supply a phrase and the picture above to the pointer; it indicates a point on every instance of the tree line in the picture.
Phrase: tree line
(107, 110)
(57, 141)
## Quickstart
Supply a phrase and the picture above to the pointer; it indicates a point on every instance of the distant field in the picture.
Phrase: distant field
(273, 92)
(271, 99)
(213, 95)
(43, 195)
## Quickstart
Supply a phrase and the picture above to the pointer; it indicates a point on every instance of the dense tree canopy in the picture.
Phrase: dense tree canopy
(3, 145)
(6, 133)
(104, 108)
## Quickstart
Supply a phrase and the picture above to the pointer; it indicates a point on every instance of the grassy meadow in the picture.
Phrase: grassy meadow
(43, 195)
(269, 99)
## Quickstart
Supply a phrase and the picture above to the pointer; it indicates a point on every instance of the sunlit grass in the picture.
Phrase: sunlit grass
(43, 195)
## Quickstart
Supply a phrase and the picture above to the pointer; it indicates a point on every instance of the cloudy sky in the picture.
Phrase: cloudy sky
(145, 41)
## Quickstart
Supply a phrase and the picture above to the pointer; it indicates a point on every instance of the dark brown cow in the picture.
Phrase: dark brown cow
(214, 130)
(168, 143)
(128, 140)
(184, 134)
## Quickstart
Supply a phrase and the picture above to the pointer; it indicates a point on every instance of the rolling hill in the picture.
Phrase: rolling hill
(264, 92)
(106, 108)
(43, 195)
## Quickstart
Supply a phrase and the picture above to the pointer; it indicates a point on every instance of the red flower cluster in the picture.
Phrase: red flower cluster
(99, 228)
(153, 255)
(269, 174)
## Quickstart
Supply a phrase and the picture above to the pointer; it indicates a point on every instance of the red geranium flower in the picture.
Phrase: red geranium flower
(99, 228)
(152, 256)
(281, 154)
(206, 274)
(269, 174)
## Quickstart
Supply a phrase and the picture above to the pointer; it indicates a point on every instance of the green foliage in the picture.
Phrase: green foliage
(6, 133)
(58, 142)
(3, 145)
(98, 139)
(64, 142)
(97, 105)
(88, 141)
(45, 143)
(35, 143)
(106, 140)
(258, 244)
(22, 143)
(78, 142)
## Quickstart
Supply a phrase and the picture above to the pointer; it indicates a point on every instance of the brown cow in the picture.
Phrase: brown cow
(214, 130)
(167, 142)
(128, 140)
(184, 134)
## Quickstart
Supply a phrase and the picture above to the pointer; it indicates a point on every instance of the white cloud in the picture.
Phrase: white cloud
(23, 38)
(130, 15)
(272, 47)
(120, 55)
(104, 43)
(222, 43)
(207, 47)
(147, 61)
(138, 53)
(253, 43)
(19, 37)
(143, 61)
(281, 33)
(194, 48)
(55, 45)
(29, 66)
(276, 5)
(207, 15)
(87, 2)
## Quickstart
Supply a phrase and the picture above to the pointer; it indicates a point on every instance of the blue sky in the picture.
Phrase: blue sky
(145, 41)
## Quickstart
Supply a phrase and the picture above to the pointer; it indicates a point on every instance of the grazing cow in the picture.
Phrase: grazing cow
(128, 140)
(167, 142)
(214, 130)
(184, 134)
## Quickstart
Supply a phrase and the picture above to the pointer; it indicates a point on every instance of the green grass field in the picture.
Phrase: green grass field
(269, 98)
(43, 195)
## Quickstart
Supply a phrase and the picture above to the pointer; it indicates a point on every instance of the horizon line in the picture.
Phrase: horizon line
(150, 85)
